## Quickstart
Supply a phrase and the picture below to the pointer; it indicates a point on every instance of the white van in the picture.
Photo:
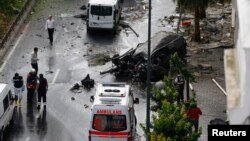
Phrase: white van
(6, 107)
(113, 114)
(103, 14)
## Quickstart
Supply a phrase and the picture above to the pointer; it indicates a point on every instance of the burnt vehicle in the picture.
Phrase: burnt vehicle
(133, 63)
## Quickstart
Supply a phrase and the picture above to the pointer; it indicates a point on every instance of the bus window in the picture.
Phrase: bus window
(101, 10)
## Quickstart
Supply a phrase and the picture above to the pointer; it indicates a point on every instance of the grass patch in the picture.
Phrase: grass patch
(9, 9)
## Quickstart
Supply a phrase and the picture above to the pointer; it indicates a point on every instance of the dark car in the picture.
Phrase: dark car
(133, 63)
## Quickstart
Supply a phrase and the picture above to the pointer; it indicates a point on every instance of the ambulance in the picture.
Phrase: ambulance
(113, 115)
(103, 14)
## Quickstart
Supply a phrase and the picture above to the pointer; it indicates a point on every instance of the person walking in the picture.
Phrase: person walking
(31, 85)
(193, 113)
(34, 60)
(179, 82)
(50, 26)
(42, 89)
(18, 88)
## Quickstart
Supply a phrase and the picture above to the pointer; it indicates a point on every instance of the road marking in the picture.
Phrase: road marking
(27, 139)
(219, 86)
(56, 75)
(14, 48)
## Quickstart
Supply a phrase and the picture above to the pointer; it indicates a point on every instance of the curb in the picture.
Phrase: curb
(15, 28)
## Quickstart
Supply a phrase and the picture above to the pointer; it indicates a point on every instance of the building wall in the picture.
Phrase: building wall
(237, 67)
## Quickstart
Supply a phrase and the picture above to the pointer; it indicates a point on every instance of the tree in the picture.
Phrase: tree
(179, 66)
(170, 122)
(194, 6)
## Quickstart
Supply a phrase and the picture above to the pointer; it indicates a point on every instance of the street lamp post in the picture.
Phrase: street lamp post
(148, 74)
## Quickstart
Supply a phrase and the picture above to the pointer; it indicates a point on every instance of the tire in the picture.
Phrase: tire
(88, 31)
(87, 27)
(1, 135)
(135, 121)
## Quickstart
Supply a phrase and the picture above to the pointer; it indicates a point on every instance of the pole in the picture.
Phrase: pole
(148, 74)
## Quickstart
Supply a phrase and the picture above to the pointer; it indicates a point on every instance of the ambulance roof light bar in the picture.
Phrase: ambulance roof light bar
(113, 85)
(110, 100)
(112, 95)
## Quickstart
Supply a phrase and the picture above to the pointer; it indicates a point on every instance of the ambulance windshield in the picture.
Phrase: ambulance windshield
(110, 123)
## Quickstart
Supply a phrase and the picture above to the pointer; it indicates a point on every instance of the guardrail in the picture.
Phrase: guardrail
(11, 28)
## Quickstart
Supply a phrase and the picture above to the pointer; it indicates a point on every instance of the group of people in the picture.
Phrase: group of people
(36, 85)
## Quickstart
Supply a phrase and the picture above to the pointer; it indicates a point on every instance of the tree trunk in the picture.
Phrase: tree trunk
(197, 25)
(202, 13)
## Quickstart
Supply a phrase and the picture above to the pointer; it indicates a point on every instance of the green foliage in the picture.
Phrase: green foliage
(169, 93)
(170, 122)
(178, 66)
(8, 10)
(9, 6)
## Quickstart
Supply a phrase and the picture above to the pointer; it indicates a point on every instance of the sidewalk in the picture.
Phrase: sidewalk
(210, 98)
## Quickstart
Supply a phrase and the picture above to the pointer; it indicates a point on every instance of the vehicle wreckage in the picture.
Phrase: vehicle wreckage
(133, 63)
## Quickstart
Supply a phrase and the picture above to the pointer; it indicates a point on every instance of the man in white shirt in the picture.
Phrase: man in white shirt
(50, 26)
(34, 59)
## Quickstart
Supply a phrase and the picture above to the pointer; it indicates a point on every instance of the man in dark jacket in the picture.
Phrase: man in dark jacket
(42, 90)
(180, 83)
(31, 85)
(18, 88)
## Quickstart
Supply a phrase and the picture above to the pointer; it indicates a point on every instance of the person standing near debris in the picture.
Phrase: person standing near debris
(193, 113)
(34, 60)
(42, 89)
(18, 88)
(31, 85)
(50, 26)
(179, 82)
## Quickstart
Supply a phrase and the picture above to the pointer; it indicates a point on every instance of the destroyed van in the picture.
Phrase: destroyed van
(103, 14)
(113, 115)
(6, 108)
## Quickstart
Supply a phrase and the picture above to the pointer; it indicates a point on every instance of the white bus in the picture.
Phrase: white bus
(113, 114)
(103, 14)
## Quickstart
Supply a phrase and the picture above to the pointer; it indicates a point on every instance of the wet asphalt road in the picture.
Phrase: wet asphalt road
(70, 59)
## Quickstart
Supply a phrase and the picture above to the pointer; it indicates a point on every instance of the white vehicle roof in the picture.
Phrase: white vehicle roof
(3, 88)
(103, 2)
(112, 94)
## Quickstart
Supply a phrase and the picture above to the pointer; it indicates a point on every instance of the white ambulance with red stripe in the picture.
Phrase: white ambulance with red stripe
(113, 114)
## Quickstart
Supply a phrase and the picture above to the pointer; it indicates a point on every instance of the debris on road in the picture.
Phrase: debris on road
(86, 106)
(83, 7)
(126, 25)
(87, 82)
(98, 59)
